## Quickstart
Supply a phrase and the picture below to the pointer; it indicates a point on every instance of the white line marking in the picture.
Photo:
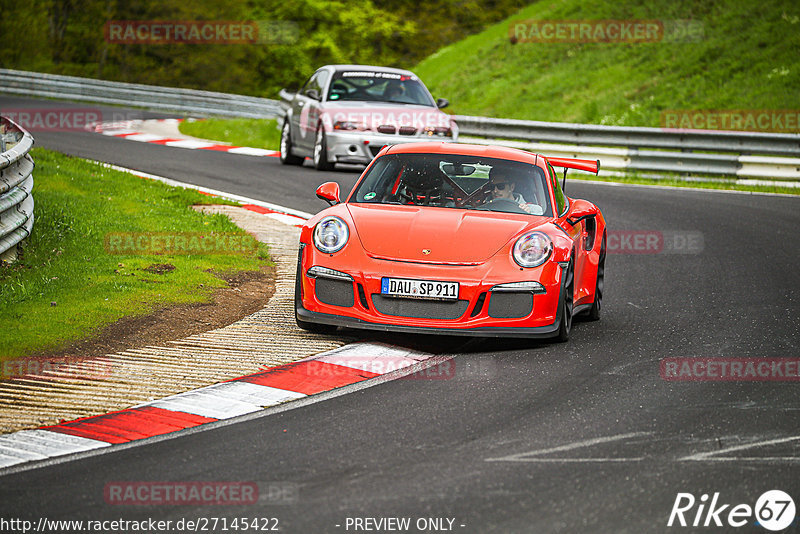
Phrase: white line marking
(145, 138)
(250, 151)
(205, 403)
(188, 143)
(291, 220)
(526, 456)
(255, 393)
(372, 357)
(706, 456)
(119, 132)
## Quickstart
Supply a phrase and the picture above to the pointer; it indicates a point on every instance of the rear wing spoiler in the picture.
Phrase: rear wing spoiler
(588, 165)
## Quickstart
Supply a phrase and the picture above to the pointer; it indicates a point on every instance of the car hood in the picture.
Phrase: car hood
(372, 114)
(451, 236)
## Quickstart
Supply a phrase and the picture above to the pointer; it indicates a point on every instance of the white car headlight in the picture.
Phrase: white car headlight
(532, 249)
(331, 234)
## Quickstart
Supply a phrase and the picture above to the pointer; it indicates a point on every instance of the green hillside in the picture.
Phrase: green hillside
(747, 58)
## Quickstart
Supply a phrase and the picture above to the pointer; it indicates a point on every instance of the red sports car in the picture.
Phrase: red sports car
(453, 239)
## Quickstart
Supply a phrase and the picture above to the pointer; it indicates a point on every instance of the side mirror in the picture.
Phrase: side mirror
(580, 210)
(442, 103)
(312, 93)
(329, 192)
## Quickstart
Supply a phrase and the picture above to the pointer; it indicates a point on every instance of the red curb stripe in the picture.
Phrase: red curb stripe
(258, 209)
(265, 211)
(163, 141)
(130, 425)
(219, 148)
(308, 377)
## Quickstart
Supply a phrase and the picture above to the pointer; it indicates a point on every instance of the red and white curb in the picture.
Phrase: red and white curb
(331, 370)
(131, 130)
(345, 366)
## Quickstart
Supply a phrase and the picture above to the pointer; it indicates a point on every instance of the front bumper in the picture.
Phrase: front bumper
(355, 303)
(348, 146)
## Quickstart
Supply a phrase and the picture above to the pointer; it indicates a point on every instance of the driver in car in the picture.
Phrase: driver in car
(501, 187)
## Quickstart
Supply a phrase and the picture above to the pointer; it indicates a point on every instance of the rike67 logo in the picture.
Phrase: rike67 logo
(774, 511)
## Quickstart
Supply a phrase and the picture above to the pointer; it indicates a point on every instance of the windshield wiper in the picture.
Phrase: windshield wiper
(403, 102)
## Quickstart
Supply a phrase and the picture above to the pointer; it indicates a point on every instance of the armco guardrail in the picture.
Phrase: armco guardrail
(16, 185)
(744, 154)
(632, 136)
(168, 99)
(741, 154)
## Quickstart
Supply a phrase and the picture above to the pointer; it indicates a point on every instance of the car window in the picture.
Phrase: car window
(307, 85)
(456, 181)
(561, 201)
(367, 86)
(321, 80)
(316, 82)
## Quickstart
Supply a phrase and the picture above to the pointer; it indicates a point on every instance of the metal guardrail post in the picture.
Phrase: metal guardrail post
(16, 186)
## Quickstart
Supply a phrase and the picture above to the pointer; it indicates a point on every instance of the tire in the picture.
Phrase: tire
(315, 328)
(566, 302)
(286, 147)
(594, 311)
(321, 162)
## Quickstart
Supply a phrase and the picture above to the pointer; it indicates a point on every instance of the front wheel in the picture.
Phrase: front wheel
(286, 147)
(567, 301)
(321, 162)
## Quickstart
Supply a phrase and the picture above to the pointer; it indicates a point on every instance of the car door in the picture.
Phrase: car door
(576, 232)
(306, 109)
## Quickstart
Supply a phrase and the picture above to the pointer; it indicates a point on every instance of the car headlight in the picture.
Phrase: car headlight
(347, 125)
(439, 131)
(331, 234)
(532, 249)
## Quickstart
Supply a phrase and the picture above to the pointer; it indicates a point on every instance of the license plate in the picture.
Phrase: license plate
(419, 289)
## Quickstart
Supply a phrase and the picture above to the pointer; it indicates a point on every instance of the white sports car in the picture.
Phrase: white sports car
(347, 113)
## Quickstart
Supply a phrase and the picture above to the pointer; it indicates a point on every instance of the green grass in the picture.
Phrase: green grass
(66, 286)
(747, 59)
(256, 133)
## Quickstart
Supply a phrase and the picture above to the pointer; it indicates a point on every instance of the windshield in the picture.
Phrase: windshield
(456, 181)
(368, 86)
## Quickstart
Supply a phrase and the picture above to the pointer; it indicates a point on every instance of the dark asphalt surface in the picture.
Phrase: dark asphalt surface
(425, 448)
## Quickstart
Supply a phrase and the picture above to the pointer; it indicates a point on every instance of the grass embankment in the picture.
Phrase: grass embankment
(746, 59)
(70, 281)
(256, 133)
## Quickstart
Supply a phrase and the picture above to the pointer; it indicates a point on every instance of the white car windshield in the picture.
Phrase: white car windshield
(456, 181)
(369, 86)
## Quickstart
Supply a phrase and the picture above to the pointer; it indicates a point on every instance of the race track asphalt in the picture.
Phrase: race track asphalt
(518, 436)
